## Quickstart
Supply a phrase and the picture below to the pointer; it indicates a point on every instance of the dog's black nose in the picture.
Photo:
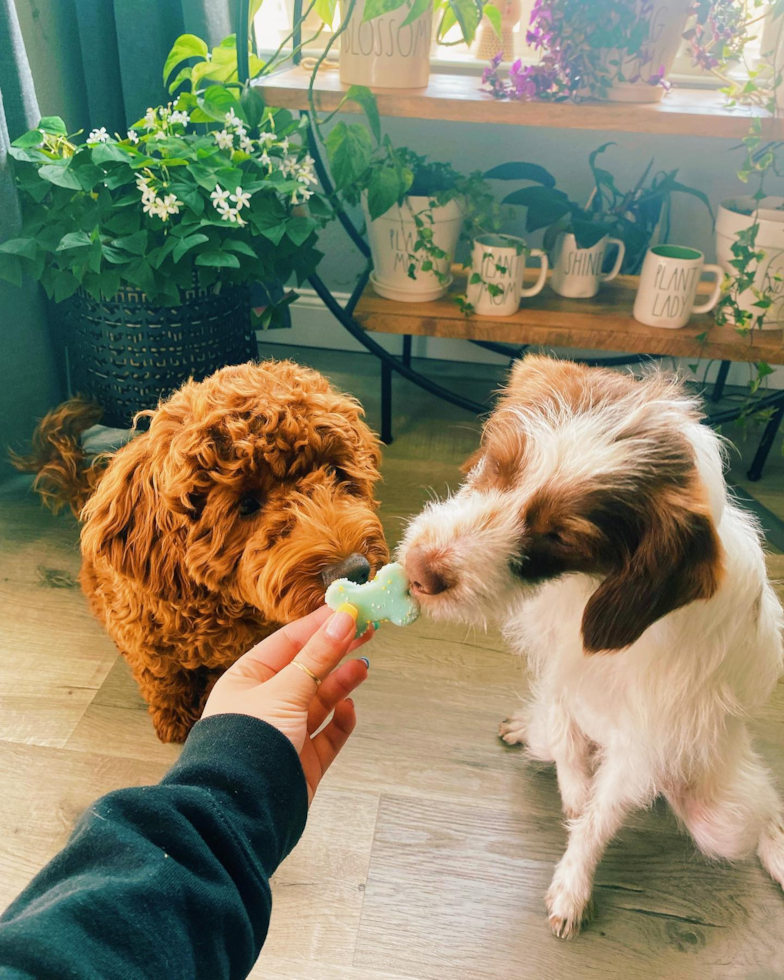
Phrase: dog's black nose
(356, 568)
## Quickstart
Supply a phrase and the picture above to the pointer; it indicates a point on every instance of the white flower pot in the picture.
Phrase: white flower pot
(770, 240)
(577, 272)
(392, 237)
(667, 23)
(383, 53)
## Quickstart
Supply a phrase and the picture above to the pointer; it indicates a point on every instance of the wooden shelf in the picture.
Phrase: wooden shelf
(459, 98)
(604, 323)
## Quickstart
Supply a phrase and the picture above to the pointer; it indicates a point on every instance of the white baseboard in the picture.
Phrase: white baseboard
(314, 326)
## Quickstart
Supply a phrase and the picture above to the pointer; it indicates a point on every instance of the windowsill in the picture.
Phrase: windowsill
(459, 63)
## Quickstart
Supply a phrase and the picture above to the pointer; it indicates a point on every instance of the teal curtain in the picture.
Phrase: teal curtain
(29, 382)
(124, 44)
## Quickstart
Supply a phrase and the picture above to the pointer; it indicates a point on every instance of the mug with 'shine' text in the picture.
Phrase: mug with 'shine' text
(668, 286)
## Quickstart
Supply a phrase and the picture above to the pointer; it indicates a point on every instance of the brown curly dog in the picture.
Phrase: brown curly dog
(248, 494)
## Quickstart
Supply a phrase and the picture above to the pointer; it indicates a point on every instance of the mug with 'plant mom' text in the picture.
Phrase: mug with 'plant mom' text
(668, 286)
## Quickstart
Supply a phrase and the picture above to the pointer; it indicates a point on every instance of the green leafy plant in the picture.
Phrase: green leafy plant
(466, 14)
(632, 215)
(169, 202)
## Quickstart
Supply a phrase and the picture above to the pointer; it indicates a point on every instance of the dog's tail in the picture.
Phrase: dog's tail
(65, 474)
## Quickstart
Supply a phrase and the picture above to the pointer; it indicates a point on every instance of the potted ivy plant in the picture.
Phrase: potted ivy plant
(386, 43)
(619, 50)
(415, 211)
(150, 239)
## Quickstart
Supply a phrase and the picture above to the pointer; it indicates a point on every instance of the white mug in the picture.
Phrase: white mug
(577, 272)
(668, 284)
(499, 262)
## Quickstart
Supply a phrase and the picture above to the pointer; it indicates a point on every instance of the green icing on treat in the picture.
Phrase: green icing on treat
(384, 600)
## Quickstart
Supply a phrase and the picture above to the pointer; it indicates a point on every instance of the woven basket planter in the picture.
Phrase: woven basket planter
(126, 354)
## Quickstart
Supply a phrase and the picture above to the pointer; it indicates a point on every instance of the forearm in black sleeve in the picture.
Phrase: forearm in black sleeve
(169, 880)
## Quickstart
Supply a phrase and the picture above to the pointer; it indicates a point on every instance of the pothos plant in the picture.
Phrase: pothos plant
(168, 203)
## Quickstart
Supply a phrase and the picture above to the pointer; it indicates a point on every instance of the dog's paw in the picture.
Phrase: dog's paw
(514, 730)
(566, 910)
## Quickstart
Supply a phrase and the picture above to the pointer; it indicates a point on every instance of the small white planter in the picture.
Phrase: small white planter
(500, 261)
(383, 53)
(667, 23)
(577, 272)
(770, 240)
(392, 237)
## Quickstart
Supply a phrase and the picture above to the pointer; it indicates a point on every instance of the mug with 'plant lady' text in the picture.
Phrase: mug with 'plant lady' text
(668, 286)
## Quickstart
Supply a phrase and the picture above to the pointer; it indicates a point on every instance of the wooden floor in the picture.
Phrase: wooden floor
(430, 845)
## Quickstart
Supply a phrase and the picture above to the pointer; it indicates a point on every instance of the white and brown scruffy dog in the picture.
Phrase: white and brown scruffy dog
(595, 524)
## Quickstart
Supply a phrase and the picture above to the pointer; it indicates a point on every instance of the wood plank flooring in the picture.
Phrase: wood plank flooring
(430, 845)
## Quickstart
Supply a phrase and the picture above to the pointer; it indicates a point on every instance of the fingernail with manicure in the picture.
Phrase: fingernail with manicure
(343, 624)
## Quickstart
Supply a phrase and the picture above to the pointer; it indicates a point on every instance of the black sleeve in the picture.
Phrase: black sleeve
(168, 881)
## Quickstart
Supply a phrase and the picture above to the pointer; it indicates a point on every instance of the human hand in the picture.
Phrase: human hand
(267, 684)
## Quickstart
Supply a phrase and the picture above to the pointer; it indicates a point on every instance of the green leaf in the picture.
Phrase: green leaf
(34, 138)
(11, 269)
(88, 176)
(111, 153)
(493, 14)
(242, 248)
(186, 46)
(184, 75)
(136, 244)
(74, 239)
(141, 275)
(325, 9)
(114, 255)
(60, 175)
(375, 8)
(217, 101)
(349, 149)
(300, 228)
(365, 98)
(521, 171)
(25, 247)
(386, 188)
(418, 9)
(65, 285)
(588, 233)
(467, 15)
(186, 244)
(53, 125)
(218, 260)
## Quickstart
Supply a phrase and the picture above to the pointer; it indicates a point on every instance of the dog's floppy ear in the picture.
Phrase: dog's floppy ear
(678, 559)
(125, 521)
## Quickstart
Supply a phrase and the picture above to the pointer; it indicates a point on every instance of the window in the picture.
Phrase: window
(273, 26)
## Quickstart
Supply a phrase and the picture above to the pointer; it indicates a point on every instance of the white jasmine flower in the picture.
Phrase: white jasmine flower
(240, 131)
(141, 182)
(224, 140)
(284, 144)
(246, 144)
(150, 119)
(98, 136)
(180, 117)
(151, 206)
(306, 176)
(288, 165)
(230, 214)
(169, 205)
(219, 196)
(301, 194)
(160, 135)
(265, 159)
(232, 119)
(148, 196)
(240, 198)
(266, 138)
(133, 136)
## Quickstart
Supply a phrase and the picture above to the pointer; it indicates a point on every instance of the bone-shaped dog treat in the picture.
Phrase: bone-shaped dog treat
(385, 599)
